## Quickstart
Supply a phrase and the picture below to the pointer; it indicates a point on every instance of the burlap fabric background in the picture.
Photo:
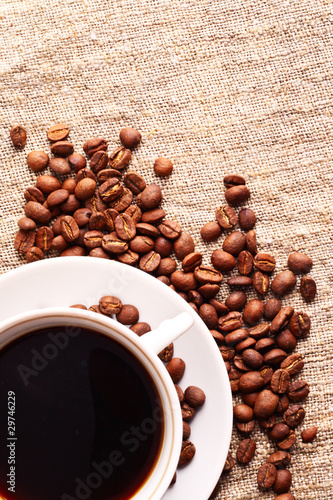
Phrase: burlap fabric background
(219, 87)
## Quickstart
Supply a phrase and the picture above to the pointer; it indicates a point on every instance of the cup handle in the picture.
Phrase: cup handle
(168, 331)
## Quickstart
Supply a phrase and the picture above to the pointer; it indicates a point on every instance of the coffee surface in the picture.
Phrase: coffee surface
(88, 418)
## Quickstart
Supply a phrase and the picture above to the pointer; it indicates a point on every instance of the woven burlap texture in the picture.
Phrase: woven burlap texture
(241, 86)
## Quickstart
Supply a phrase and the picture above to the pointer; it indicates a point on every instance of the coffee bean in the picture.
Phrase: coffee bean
(37, 212)
(234, 243)
(150, 262)
(245, 427)
(129, 137)
(308, 288)
(236, 336)
(247, 219)
(229, 463)
(237, 194)
(265, 404)
(227, 353)
(283, 283)
(18, 135)
(209, 290)
(280, 381)
(59, 166)
(308, 435)
(243, 412)
(95, 308)
(26, 224)
(194, 396)
(267, 373)
(206, 274)
(234, 377)
(166, 267)
(250, 398)
(245, 451)
(110, 190)
(187, 453)
(37, 161)
(298, 390)
(57, 197)
(252, 358)
(281, 319)
(85, 173)
(34, 254)
(240, 365)
(183, 281)
(293, 363)
(264, 262)
(183, 246)
(287, 442)
(259, 331)
(129, 315)
(99, 161)
(299, 324)
(34, 194)
(217, 336)
(267, 423)
(186, 430)
(69, 228)
(279, 459)
(62, 148)
(266, 476)
(265, 344)
(285, 496)
(142, 244)
(47, 184)
(59, 243)
(113, 244)
(286, 340)
(231, 321)
(44, 238)
(176, 369)
(70, 205)
(294, 415)
(223, 261)
(110, 305)
(154, 216)
(221, 308)
(128, 257)
(170, 229)
(261, 283)
(93, 239)
(236, 301)
(231, 180)
(253, 312)
(108, 173)
(248, 343)
(123, 201)
(125, 227)
(134, 212)
(299, 263)
(150, 197)
(279, 432)
(226, 217)
(210, 231)
(274, 356)
(272, 307)
(251, 382)
(77, 161)
(74, 251)
(82, 216)
(209, 315)
(97, 221)
(24, 240)
(141, 328)
(283, 481)
(240, 281)
(91, 146)
(251, 242)
(69, 185)
(58, 132)
(163, 166)
(135, 182)
(245, 262)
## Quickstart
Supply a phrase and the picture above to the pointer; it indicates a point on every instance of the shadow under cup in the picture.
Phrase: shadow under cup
(81, 416)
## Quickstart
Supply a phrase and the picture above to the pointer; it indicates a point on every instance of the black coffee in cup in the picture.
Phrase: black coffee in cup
(80, 417)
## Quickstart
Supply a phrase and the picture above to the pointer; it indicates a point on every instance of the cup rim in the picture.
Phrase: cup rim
(159, 376)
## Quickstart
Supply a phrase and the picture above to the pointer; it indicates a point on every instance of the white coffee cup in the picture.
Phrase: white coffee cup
(145, 349)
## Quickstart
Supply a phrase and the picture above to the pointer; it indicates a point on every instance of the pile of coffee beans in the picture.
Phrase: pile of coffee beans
(109, 211)
(191, 399)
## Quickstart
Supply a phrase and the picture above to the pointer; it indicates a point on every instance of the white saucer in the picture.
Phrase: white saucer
(73, 280)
